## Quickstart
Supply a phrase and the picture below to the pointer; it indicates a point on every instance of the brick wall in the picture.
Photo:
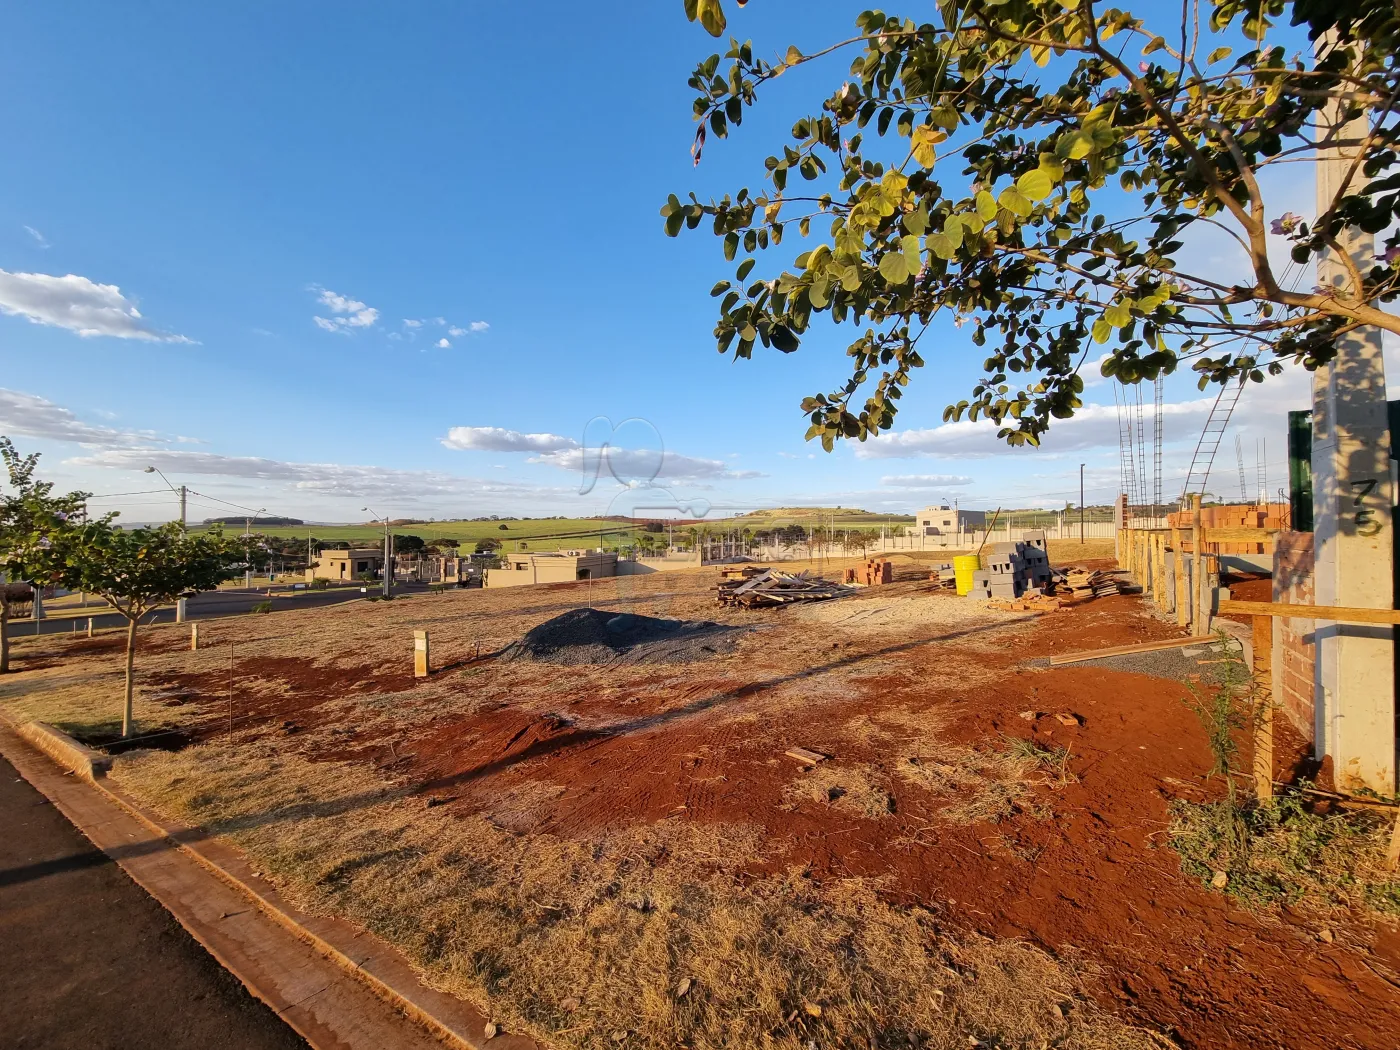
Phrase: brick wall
(1293, 650)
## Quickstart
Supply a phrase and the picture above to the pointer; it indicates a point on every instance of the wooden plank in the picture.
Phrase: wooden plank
(1336, 613)
(1240, 534)
(1199, 619)
(1128, 650)
(1264, 717)
(1183, 601)
(807, 758)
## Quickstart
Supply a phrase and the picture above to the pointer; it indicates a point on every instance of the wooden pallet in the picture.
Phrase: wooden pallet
(774, 587)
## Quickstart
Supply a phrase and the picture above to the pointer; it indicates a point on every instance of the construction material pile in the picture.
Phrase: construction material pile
(1014, 570)
(753, 587)
(1081, 585)
(871, 573)
(596, 636)
(1066, 588)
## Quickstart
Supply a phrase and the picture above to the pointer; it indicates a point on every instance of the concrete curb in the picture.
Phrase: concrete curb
(63, 749)
(361, 955)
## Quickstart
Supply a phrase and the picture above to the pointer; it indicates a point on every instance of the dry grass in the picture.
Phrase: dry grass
(851, 789)
(585, 943)
(982, 784)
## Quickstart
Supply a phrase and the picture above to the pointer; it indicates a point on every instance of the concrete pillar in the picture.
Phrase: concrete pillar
(1353, 529)
(180, 610)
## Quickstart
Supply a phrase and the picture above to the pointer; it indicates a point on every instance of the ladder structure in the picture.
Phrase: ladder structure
(1239, 460)
(1209, 441)
(1127, 474)
(1157, 443)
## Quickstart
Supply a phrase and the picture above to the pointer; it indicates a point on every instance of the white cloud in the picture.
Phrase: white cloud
(347, 313)
(498, 439)
(454, 331)
(442, 344)
(77, 304)
(408, 322)
(329, 479)
(1093, 426)
(925, 481)
(28, 415)
(644, 464)
(38, 237)
(478, 326)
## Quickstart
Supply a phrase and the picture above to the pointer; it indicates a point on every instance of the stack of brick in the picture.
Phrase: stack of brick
(1014, 570)
(1234, 516)
(872, 573)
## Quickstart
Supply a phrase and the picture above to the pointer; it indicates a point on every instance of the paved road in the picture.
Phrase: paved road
(88, 961)
(200, 607)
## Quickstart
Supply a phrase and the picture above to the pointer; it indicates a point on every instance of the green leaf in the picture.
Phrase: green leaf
(1013, 201)
(1074, 146)
(1217, 55)
(1035, 184)
(942, 246)
(894, 268)
(1118, 315)
(731, 246)
(711, 16)
(909, 245)
(916, 222)
(924, 139)
(986, 206)
(744, 268)
(1102, 330)
(953, 230)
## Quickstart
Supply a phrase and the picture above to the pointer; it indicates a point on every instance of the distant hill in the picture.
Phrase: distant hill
(262, 519)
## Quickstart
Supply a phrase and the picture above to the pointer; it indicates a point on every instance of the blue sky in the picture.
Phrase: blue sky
(467, 200)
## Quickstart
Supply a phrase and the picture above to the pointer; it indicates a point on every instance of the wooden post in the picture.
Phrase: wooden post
(194, 637)
(89, 626)
(1183, 604)
(1264, 717)
(420, 654)
(1159, 569)
(1198, 573)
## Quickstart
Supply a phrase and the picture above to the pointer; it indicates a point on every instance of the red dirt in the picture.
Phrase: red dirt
(705, 743)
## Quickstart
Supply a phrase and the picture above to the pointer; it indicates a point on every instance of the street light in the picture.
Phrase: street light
(180, 492)
(247, 534)
(388, 552)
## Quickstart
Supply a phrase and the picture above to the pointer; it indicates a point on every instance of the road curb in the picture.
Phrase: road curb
(380, 968)
(63, 749)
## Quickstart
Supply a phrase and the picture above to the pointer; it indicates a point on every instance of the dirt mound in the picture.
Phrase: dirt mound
(596, 636)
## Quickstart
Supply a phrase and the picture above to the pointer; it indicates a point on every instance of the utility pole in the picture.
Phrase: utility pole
(1081, 503)
(184, 523)
(1353, 505)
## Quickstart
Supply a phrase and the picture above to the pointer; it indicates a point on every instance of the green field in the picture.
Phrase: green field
(541, 534)
(551, 534)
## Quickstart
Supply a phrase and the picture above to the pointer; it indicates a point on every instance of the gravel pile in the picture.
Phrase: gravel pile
(595, 636)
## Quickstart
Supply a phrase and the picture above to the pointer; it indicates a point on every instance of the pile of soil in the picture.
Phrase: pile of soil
(596, 636)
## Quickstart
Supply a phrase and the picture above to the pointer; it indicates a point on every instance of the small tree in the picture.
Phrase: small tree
(137, 570)
(1030, 167)
(35, 529)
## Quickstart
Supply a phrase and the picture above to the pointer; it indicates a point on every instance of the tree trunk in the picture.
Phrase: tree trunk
(130, 673)
(4, 635)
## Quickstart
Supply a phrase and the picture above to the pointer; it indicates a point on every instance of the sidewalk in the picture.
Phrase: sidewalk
(340, 988)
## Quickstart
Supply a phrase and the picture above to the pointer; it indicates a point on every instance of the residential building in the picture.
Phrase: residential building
(346, 565)
(944, 521)
(525, 567)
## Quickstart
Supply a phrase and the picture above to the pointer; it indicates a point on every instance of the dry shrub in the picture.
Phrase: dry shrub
(585, 943)
(986, 786)
(983, 785)
(850, 789)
